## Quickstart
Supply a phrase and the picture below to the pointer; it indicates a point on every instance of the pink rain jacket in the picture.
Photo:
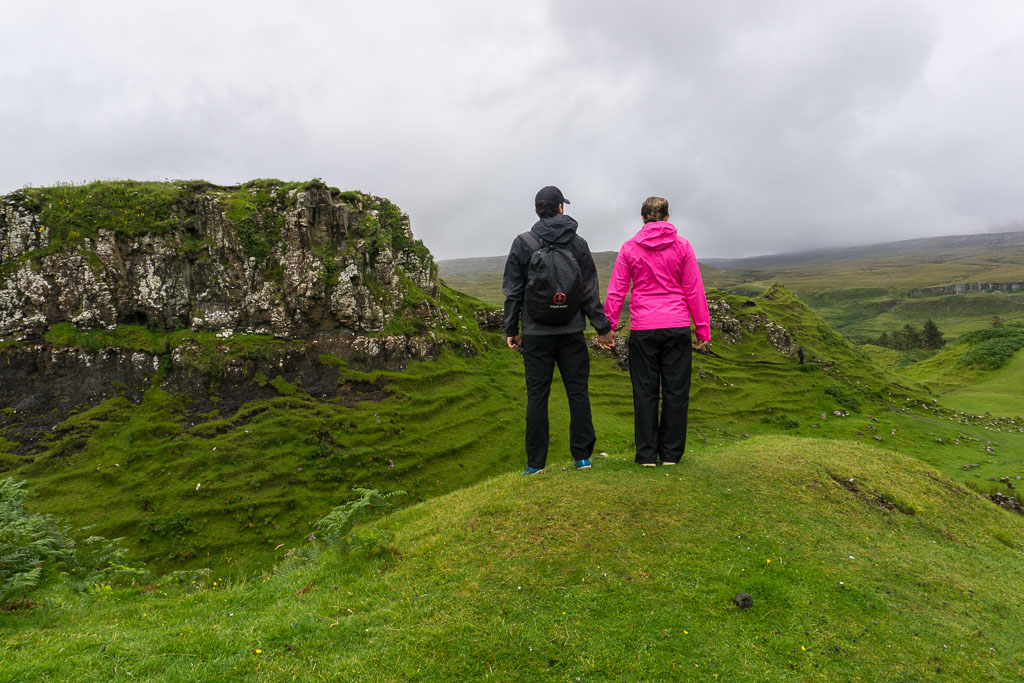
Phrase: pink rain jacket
(666, 282)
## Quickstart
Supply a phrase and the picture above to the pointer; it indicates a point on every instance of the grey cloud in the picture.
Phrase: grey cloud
(769, 126)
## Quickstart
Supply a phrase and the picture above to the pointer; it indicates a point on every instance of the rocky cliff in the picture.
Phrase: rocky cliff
(287, 259)
(111, 288)
(970, 288)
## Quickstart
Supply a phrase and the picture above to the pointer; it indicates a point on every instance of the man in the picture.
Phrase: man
(545, 345)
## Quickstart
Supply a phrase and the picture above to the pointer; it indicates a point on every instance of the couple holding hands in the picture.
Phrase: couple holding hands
(550, 285)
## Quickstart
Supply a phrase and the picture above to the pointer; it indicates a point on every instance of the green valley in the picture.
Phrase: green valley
(866, 499)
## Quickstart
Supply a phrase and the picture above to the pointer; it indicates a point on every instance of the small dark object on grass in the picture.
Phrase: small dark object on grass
(743, 600)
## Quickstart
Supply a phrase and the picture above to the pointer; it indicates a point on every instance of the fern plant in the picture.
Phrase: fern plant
(336, 526)
(31, 544)
(34, 545)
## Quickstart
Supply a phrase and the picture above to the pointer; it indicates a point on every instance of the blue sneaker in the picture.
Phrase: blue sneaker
(532, 470)
(583, 464)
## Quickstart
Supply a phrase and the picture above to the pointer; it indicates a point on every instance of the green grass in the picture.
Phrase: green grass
(1000, 393)
(884, 357)
(73, 212)
(268, 471)
(276, 465)
(618, 573)
(861, 564)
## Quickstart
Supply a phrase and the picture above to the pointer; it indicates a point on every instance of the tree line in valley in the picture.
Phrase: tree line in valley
(909, 337)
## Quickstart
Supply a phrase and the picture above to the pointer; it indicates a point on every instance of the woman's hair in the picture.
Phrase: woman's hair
(654, 209)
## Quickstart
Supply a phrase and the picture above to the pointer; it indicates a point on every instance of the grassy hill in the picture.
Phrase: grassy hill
(847, 495)
(862, 291)
(227, 489)
(235, 490)
(999, 393)
(977, 251)
(840, 494)
(861, 563)
(981, 373)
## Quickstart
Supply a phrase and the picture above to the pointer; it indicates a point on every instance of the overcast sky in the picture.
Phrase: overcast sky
(770, 126)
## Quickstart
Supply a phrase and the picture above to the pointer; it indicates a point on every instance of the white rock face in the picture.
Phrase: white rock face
(323, 271)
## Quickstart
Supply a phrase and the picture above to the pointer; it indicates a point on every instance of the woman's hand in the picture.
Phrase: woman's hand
(703, 344)
(607, 340)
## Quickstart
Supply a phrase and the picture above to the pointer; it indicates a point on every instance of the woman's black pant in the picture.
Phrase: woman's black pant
(660, 365)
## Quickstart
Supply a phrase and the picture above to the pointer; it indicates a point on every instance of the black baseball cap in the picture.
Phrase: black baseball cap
(551, 194)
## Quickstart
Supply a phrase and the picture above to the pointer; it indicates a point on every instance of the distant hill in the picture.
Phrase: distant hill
(948, 246)
(960, 281)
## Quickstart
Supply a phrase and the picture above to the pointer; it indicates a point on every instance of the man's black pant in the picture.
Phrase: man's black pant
(540, 354)
(660, 362)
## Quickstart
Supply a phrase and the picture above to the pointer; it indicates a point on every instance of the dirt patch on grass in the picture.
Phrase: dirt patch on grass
(948, 485)
(17, 605)
(883, 501)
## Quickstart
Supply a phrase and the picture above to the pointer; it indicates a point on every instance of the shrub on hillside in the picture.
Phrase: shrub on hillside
(780, 420)
(846, 398)
(994, 347)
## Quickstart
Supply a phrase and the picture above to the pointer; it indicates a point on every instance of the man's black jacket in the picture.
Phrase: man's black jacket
(559, 230)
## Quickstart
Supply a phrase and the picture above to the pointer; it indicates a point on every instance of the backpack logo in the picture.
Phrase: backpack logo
(559, 298)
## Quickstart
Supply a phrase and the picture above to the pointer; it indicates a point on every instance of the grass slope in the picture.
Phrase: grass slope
(269, 471)
(862, 564)
(998, 393)
(228, 490)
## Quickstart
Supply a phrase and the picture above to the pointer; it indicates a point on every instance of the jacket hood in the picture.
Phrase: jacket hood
(556, 230)
(657, 235)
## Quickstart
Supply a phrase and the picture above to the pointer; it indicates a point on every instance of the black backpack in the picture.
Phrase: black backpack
(554, 283)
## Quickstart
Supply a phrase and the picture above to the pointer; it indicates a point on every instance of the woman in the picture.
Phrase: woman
(667, 294)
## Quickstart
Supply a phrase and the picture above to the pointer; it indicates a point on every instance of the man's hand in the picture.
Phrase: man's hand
(515, 343)
(607, 340)
(701, 345)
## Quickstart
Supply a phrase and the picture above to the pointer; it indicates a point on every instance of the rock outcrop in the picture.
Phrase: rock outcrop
(290, 260)
(724, 321)
(110, 289)
(970, 288)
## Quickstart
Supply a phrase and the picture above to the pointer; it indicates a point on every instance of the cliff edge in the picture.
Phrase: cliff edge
(293, 260)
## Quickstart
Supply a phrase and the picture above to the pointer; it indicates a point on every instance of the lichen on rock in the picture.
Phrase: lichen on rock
(295, 260)
(732, 326)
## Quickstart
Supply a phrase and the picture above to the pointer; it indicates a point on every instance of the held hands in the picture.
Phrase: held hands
(607, 340)
(515, 343)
